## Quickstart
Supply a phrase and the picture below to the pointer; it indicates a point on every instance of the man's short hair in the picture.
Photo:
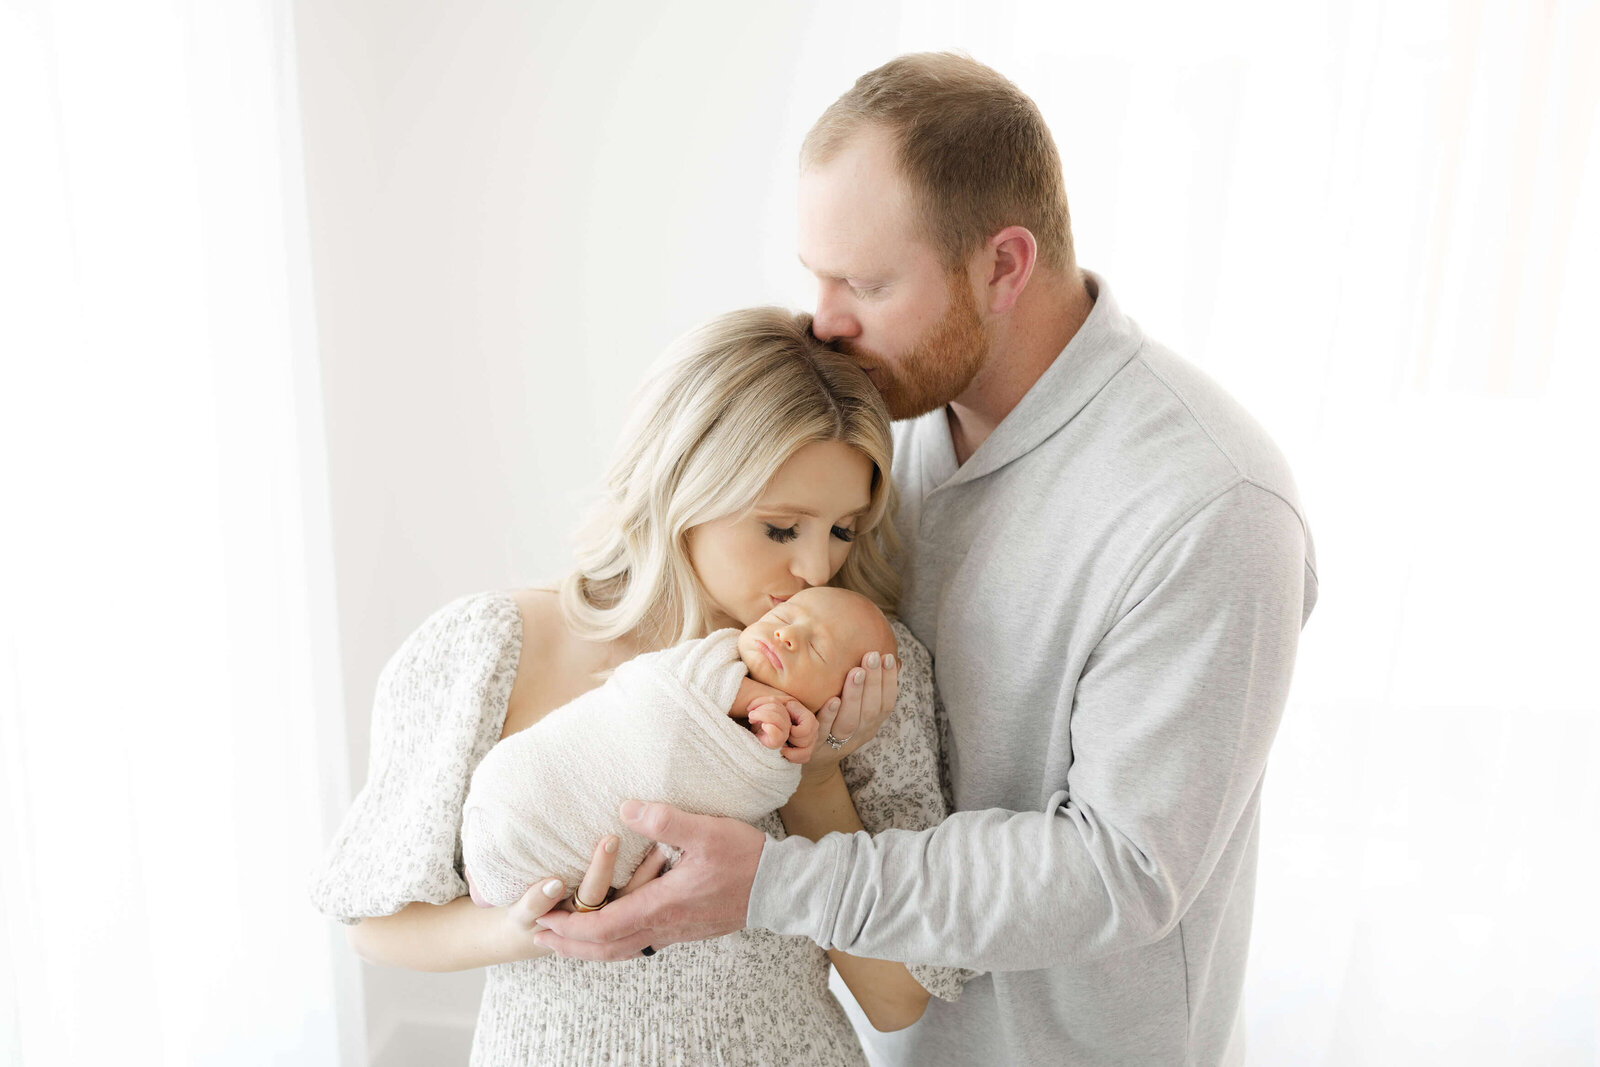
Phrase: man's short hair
(973, 147)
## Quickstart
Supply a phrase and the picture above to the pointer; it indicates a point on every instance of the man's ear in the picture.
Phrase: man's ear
(1012, 252)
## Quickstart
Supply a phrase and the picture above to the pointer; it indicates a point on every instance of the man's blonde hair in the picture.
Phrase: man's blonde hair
(731, 403)
(972, 146)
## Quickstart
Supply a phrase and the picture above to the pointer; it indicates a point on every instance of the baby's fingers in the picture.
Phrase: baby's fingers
(770, 725)
(803, 726)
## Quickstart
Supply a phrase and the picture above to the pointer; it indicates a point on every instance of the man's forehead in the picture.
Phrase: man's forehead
(855, 211)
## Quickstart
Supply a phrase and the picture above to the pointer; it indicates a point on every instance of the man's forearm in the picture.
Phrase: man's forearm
(890, 997)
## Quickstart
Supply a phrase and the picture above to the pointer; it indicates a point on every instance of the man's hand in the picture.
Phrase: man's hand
(705, 894)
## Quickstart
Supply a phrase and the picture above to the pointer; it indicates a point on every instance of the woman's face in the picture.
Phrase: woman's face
(797, 535)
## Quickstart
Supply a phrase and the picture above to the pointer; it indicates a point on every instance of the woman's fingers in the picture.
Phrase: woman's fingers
(828, 717)
(869, 696)
(597, 879)
(539, 899)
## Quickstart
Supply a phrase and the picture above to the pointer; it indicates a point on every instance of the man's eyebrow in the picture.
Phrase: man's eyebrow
(818, 273)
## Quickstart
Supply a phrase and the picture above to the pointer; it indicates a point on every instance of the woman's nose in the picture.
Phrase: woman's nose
(811, 565)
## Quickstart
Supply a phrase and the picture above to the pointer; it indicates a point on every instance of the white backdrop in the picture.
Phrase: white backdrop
(1378, 224)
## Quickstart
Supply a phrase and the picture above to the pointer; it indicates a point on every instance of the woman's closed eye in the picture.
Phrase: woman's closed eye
(784, 534)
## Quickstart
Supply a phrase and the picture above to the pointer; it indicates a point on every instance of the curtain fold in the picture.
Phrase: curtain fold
(167, 667)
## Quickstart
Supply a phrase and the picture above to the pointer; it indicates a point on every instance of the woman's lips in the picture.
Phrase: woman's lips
(773, 656)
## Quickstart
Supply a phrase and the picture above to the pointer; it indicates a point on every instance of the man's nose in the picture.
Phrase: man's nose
(832, 319)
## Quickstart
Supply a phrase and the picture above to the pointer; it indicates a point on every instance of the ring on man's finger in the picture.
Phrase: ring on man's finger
(647, 951)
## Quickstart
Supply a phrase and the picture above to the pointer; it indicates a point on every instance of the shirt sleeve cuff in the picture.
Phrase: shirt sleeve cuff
(799, 885)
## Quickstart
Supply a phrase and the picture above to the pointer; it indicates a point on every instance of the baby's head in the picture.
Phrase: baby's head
(807, 645)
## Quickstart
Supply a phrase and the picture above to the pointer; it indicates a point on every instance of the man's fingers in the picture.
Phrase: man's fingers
(597, 879)
(599, 952)
(663, 822)
(618, 921)
(654, 862)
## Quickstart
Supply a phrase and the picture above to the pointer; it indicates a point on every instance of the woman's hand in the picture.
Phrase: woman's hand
(854, 717)
(520, 919)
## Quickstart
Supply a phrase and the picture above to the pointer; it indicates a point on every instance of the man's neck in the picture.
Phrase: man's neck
(1045, 318)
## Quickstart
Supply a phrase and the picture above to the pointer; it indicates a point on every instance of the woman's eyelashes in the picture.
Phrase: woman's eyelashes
(784, 534)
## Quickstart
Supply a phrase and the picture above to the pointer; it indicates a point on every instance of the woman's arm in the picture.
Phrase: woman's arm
(460, 935)
(457, 936)
(890, 997)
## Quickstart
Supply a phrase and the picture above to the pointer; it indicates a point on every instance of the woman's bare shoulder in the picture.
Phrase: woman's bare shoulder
(542, 621)
(556, 664)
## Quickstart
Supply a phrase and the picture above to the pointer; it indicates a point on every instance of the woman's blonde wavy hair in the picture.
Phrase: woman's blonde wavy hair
(733, 400)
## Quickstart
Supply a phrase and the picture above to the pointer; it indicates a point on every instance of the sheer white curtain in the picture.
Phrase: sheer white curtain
(1379, 225)
(169, 702)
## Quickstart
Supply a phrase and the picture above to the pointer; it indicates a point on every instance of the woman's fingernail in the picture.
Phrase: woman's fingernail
(872, 659)
(833, 706)
(553, 889)
(632, 809)
(611, 846)
(888, 663)
(858, 676)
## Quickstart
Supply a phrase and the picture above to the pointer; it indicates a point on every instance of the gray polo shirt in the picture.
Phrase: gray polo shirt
(1112, 587)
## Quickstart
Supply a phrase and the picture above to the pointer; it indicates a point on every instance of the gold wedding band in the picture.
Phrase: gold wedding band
(579, 905)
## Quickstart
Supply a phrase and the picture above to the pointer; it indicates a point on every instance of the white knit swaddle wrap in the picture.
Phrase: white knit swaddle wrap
(657, 730)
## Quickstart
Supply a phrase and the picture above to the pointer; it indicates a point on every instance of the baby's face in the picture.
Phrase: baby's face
(807, 645)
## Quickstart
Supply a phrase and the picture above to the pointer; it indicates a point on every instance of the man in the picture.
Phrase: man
(1108, 561)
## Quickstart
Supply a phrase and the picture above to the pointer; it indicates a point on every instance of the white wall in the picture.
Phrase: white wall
(514, 208)
(515, 205)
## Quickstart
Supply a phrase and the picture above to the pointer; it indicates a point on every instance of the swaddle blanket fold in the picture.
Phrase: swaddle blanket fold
(657, 730)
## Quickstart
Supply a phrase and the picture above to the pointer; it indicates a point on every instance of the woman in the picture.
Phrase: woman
(755, 465)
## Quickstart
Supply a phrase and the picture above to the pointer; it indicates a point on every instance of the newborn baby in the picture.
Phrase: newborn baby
(662, 728)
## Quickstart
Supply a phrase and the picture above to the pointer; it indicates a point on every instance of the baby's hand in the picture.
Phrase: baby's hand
(769, 722)
(799, 727)
(803, 731)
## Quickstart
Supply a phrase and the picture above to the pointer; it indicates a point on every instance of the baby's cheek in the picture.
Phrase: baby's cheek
(814, 688)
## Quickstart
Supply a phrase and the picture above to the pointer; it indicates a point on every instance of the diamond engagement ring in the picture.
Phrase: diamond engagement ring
(836, 743)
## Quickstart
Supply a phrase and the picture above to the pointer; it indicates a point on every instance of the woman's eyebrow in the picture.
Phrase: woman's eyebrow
(795, 509)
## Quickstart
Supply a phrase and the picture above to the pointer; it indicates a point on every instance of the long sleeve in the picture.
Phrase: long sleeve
(894, 779)
(440, 705)
(1171, 720)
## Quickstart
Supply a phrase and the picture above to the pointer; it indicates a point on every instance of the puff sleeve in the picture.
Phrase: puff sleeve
(440, 706)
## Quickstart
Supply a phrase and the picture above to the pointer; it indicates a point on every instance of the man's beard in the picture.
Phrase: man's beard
(942, 364)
